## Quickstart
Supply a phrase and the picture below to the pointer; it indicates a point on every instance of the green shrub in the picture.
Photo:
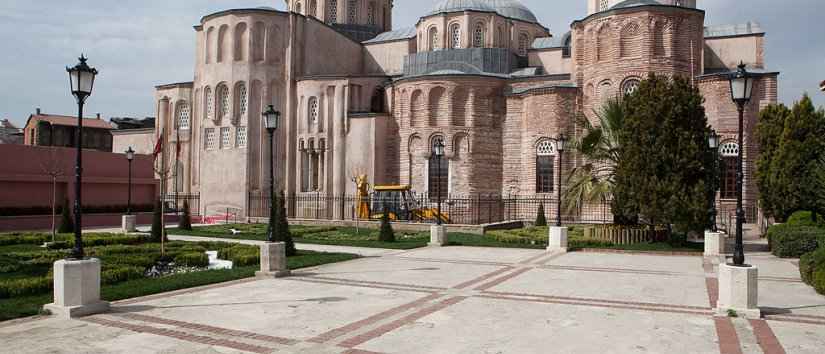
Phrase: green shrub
(809, 262)
(121, 274)
(241, 255)
(803, 218)
(819, 280)
(94, 240)
(26, 286)
(386, 234)
(245, 260)
(185, 222)
(541, 220)
(23, 238)
(192, 259)
(789, 241)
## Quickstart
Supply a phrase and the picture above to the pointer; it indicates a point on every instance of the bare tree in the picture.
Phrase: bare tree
(52, 166)
(162, 170)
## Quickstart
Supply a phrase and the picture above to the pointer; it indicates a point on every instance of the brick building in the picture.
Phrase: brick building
(9, 133)
(483, 76)
(56, 130)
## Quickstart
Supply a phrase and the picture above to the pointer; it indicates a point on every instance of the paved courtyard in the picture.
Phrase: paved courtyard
(454, 300)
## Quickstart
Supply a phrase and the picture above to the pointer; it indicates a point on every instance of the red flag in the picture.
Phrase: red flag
(158, 146)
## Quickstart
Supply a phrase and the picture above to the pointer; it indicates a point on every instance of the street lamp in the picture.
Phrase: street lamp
(561, 141)
(130, 155)
(271, 118)
(438, 151)
(741, 88)
(713, 143)
(81, 80)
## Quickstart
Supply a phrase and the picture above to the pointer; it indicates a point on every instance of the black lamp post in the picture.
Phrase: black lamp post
(713, 143)
(561, 141)
(81, 79)
(130, 155)
(438, 151)
(741, 88)
(271, 118)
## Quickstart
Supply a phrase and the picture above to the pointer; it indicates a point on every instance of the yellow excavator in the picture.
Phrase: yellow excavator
(399, 203)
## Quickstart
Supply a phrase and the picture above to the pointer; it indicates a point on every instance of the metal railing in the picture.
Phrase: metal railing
(174, 203)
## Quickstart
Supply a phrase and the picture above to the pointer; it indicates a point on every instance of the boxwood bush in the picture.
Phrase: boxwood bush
(791, 241)
(803, 218)
(25, 286)
(192, 259)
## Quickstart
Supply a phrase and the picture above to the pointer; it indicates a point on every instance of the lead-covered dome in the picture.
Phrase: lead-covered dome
(508, 8)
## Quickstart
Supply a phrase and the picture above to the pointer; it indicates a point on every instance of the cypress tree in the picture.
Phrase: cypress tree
(662, 175)
(66, 222)
(386, 234)
(769, 132)
(157, 222)
(185, 222)
(541, 220)
(281, 232)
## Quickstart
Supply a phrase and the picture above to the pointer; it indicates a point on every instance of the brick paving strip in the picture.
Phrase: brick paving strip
(344, 282)
(766, 338)
(389, 327)
(794, 318)
(207, 328)
(503, 279)
(179, 335)
(484, 277)
(614, 270)
(422, 287)
(533, 258)
(728, 339)
(455, 261)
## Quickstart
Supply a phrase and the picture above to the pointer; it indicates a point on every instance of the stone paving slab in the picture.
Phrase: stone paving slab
(361, 251)
(800, 338)
(476, 254)
(670, 264)
(505, 326)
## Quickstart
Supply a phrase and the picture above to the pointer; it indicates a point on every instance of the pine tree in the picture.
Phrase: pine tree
(386, 234)
(280, 232)
(66, 222)
(185, 222)
(157, 222)
(541, 220)
(662, 174)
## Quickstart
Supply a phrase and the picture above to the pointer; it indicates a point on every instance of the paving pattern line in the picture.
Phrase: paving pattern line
(554, 256)
(183, 291)
(361, 285)
(664, 309)
(605, 301)
(456, 261)
(409, 319)
(533, 258)
(179, 335)
(483, 277)
(766, 338)
(614, 270)
(423, 287)
(794, 319)
(506, 277)
(354, 326)
(728, 339)
(359, 351)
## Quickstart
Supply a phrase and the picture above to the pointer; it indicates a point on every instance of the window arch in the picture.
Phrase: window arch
(223, 43)
(438, 172)
(209, 45)
(479, 34)
(523, 43)
(433, 38)
(183, 116)
(352, 11)
(630, 42)
(371, 13)
(298, 7)
(241, 101)
(312, 10)
(209, 100)
(630, 86)
(223, 102)
(312, 110)
(455, 36)
(729, 153)
(545, 166)
(332, 11)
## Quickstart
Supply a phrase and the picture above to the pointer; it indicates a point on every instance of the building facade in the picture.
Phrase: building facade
(61, 131)
(484, 77)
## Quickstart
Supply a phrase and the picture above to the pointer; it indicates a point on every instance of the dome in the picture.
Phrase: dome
(508, 8)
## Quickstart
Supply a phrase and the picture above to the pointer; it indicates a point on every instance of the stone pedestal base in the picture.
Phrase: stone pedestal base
(438, 236)
(273, 261)
(77, 289)
(129, 223)
(714, 244)
(557, 239)
(738, 291)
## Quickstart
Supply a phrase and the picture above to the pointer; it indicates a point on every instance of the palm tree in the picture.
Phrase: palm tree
(593, 182)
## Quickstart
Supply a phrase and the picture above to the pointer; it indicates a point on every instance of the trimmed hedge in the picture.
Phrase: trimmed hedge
(192, 259)
(241, 255)
(27, 286)
(790, 241)
(803, 218)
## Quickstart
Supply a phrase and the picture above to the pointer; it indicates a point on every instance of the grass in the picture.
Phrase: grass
(27, 261)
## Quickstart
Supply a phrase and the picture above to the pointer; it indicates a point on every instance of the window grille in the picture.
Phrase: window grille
(210, 139)
(455, 36)
(225, 138)
(523, 42)
(730, 149)
(240, 137)
(630, 86)
(223, 100)
(352, 11)
(332, 11)
(371, 14)
(210, 107)
(183, 116)
(313, 110)
(478, 36)
(242, 100)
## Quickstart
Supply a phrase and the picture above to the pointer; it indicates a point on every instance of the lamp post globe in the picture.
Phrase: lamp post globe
(561, 143)
(713, 144)
(130, 155)
(741, 88)
(271, 119)
(438, 151)
(81, 83)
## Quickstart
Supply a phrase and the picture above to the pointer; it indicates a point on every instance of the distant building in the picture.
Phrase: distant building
(125, 123)
(139, 134)
(9, 133)
(56, 130)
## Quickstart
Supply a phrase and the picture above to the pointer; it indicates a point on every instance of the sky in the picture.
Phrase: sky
(138, 44)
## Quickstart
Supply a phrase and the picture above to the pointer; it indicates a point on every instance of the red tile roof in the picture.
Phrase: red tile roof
(69, 121)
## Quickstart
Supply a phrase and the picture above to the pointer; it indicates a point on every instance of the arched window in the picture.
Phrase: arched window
(523, 42)
(209, 45)
(605, 90)
(730, 154)
(478, 35)
(630, 86)
(241, 101)
(630, 43)
(371, 14)
(313, 110)
(439, 173)
(332, 11)
(455, 36)
(223, 43)
(223, 102)
(183, 115)
(209, 101)
(545, 166)
(603, 5)
(313, 8)
(433, 36)
(298, 7)
(352, 11)
(240, 137)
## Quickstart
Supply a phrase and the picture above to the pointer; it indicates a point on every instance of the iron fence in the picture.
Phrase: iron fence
(726, 219)
(174, 203)
(464, 210)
